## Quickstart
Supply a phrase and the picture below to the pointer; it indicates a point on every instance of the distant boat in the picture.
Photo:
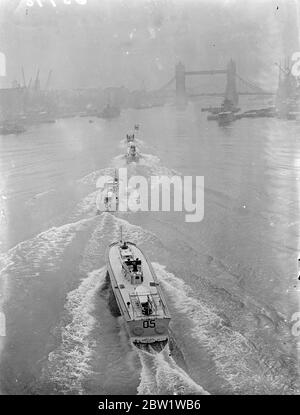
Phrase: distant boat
(132, 153)
(110, 112)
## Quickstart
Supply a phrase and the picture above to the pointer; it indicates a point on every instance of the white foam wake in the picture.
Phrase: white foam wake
(69, 364)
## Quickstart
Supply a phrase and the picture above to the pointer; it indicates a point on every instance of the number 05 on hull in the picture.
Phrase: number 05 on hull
(138, 295)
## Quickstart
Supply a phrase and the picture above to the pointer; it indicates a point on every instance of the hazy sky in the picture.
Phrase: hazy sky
(138, 42)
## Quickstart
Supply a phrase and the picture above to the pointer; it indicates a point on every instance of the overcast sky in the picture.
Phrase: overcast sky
(137, 42)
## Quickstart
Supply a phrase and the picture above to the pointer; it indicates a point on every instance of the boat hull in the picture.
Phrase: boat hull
(107, 199)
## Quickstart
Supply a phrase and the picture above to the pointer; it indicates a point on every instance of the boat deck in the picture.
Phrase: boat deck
(126, 290)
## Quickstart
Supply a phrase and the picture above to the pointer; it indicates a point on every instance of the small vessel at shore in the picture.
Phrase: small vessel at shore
(217, 110)
(132, 153)
(138, 295)
(212, 117)
(225, 117)
(108, 197)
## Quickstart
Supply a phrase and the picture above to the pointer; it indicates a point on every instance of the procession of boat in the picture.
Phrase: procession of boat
(108, 196)
(138, 295)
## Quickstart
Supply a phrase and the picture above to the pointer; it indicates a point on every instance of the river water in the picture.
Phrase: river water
(230, 281)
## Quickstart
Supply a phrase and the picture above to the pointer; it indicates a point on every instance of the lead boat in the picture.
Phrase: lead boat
(138, 295)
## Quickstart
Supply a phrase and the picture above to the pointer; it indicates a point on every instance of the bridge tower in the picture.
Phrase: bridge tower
(231, 93)
(180, 81)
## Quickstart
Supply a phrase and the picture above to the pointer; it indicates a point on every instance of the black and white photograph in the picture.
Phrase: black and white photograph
(149, 200)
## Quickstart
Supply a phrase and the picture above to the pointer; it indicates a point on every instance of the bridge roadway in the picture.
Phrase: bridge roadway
(207, 72)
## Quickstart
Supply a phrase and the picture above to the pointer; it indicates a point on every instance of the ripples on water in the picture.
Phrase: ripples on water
(229, 281)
